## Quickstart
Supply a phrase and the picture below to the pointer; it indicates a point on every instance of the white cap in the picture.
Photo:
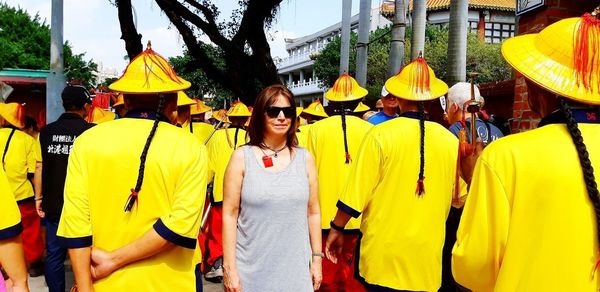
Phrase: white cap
(384, 91)
(460, 93)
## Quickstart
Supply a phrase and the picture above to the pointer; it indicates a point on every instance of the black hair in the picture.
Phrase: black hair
(138, 186)
(584, 161)
(73, 107)
(420, 182)
(343, 114)
(31, 123)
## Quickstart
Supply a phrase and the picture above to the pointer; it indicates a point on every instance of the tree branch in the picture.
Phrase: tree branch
(209, 28)
(199, 55)
(254, 18)
(133, 40)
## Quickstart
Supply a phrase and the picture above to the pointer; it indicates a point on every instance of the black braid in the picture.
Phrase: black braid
(347, 153)
(584, 161)
(161, 105)
(421, 181)
(191, 126)
(235, 138)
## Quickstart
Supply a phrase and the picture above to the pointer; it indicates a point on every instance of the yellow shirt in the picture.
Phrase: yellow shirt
(302, 135)
(402, 234)
(202, 131)
(220, 148)
(103, 168)
(10, 216)
(326, 144)
(19, 161)
(528, 224)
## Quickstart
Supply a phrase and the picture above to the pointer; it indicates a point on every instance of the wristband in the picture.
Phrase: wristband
(335, 227)
(318, 254)
(38, 198)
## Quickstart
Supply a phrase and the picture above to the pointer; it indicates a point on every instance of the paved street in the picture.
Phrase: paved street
(38, 284)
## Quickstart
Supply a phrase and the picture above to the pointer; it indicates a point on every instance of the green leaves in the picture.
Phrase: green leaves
(25, 44)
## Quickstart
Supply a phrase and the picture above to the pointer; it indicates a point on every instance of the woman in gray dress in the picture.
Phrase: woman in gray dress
(271, 216)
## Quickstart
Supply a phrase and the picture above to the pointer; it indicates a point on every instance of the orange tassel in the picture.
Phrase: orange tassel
(153, 57)
(595, 268)
(421, 79)
(420, 191)
(585, 52)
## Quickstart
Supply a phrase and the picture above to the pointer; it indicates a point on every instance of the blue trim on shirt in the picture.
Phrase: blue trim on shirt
(347, 209)
(12, 231)
(173, 237)
(76, 242)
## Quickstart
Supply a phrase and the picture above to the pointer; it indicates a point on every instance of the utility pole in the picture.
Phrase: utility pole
(364, 25)
(419, 19)
(345, 49)
(397, 45)
(56, 78)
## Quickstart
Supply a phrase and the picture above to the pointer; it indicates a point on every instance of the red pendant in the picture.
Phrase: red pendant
(267, 161)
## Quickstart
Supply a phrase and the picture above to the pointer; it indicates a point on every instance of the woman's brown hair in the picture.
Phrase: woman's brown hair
(266, 98)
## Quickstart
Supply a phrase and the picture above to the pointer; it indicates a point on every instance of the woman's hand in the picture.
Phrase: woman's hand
(231, 280)
(102, 264)
(316, 272)
(333, 247)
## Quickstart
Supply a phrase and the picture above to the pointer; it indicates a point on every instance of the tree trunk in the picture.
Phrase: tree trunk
(396, 59)
(419, 19)
(133, 40)
(248, 64)
(364, 24)
(457, 42)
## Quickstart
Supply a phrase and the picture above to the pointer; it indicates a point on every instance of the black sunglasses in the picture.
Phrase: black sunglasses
(273, 112)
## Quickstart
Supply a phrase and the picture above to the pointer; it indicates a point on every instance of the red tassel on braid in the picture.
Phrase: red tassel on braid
(420, 191)
(421, 79)
(586, 52)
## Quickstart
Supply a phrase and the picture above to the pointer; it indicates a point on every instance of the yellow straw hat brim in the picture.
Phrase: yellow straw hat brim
(403, 90)
(552, 69)
(9, 111)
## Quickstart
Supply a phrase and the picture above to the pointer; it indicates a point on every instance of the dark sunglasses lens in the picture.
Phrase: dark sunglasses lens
(273, 112)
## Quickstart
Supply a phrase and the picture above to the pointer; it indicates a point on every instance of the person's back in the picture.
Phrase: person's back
(202, 130)
(329, 159)
(220, 147)
(403, 233)
(535, 179)
(56, 140)
(103, 168)
(487, 131)
(18, 161)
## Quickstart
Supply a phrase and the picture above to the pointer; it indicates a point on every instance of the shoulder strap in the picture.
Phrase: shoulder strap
(6, 147)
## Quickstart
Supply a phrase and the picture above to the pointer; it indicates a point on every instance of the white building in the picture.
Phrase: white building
(493, 20)
(105, 73)
(296, 70)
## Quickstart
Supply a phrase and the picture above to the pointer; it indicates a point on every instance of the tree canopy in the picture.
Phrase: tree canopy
(25, 44)
(247, 63)
(481, 57)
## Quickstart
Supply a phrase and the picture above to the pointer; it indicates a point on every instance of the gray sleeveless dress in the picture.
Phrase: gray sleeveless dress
(273, 247)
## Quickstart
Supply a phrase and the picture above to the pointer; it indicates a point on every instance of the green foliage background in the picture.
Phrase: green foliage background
(25, 44)
(481, 57)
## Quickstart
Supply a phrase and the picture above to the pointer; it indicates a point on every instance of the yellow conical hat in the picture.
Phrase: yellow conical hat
(315, 109)
(120, 100)
(299, 110)
(563, 58)
(417, 82)
(149, 73)
(345, 88)
(183, 99)
(199, 108)
(239, 109)
(13, 113)
(98, 115)
(218, 115)
(361, 108)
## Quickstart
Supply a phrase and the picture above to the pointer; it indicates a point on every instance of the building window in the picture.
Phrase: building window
(497, 32)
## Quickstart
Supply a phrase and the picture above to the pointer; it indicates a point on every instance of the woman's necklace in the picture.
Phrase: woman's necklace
(267, 160)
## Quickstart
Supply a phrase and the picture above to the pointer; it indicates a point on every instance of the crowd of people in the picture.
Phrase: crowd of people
(275, 197)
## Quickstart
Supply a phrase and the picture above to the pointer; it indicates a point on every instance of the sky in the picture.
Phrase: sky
(92, 26)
